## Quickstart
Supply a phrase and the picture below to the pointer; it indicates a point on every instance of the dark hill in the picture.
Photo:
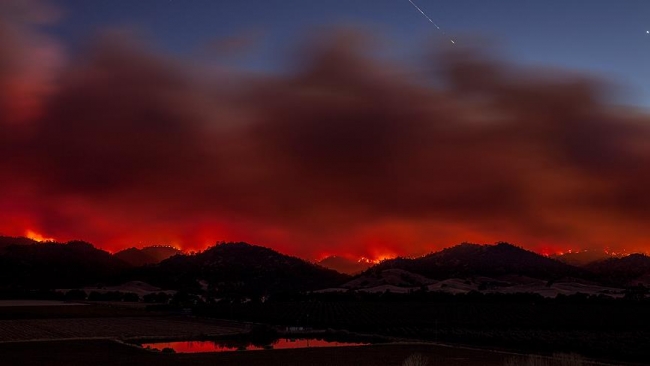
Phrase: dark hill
(623, 271)
(134, 257)
(55, 265)
(148, 255)
(241, 268)
(160, 252)
(466, 260)
(6, 241)
(580, 259)
(344, 265)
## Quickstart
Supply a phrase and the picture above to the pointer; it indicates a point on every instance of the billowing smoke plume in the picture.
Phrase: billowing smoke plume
(345, 153)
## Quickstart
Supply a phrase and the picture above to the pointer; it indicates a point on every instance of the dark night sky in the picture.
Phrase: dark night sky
(607, 37)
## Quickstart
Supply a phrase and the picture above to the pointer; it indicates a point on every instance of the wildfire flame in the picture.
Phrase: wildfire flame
(376, 260)
(367, 260)
(37, 237)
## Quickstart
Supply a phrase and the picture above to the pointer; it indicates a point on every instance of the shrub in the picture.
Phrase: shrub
(560, 359)
(531, 360)
(569, 359)
(416, 359)
(73, 295)
(131, 297)
(262, 335)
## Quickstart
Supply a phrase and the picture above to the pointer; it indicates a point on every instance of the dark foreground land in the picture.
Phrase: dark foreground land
(101, 335)
(30, 323)
(598, 328)
(106, 335)
(106, 352)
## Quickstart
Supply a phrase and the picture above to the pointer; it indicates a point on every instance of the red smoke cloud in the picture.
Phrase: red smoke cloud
(344, 154)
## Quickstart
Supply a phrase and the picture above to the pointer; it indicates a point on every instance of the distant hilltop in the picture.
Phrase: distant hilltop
(251, 269)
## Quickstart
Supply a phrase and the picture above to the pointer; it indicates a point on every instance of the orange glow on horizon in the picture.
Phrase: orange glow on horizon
(367, 260)
(369, 253)
(378, 258)
(31, 234)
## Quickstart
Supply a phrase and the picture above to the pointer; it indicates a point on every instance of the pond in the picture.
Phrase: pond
(229, 346)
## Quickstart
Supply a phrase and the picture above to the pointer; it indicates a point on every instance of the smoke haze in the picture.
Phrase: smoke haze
(343, 152)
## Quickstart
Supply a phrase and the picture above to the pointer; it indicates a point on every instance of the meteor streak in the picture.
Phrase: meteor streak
(430, 20)
(425, 15)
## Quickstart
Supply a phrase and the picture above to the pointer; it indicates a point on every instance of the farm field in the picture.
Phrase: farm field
(97, 321)
(118, 328)
(13, 310)
(105, 352)
(23, 303)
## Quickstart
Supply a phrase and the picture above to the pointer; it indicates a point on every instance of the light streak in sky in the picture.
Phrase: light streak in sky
(430, 20)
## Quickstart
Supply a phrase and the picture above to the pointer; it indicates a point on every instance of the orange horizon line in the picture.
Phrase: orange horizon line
(35, 236)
